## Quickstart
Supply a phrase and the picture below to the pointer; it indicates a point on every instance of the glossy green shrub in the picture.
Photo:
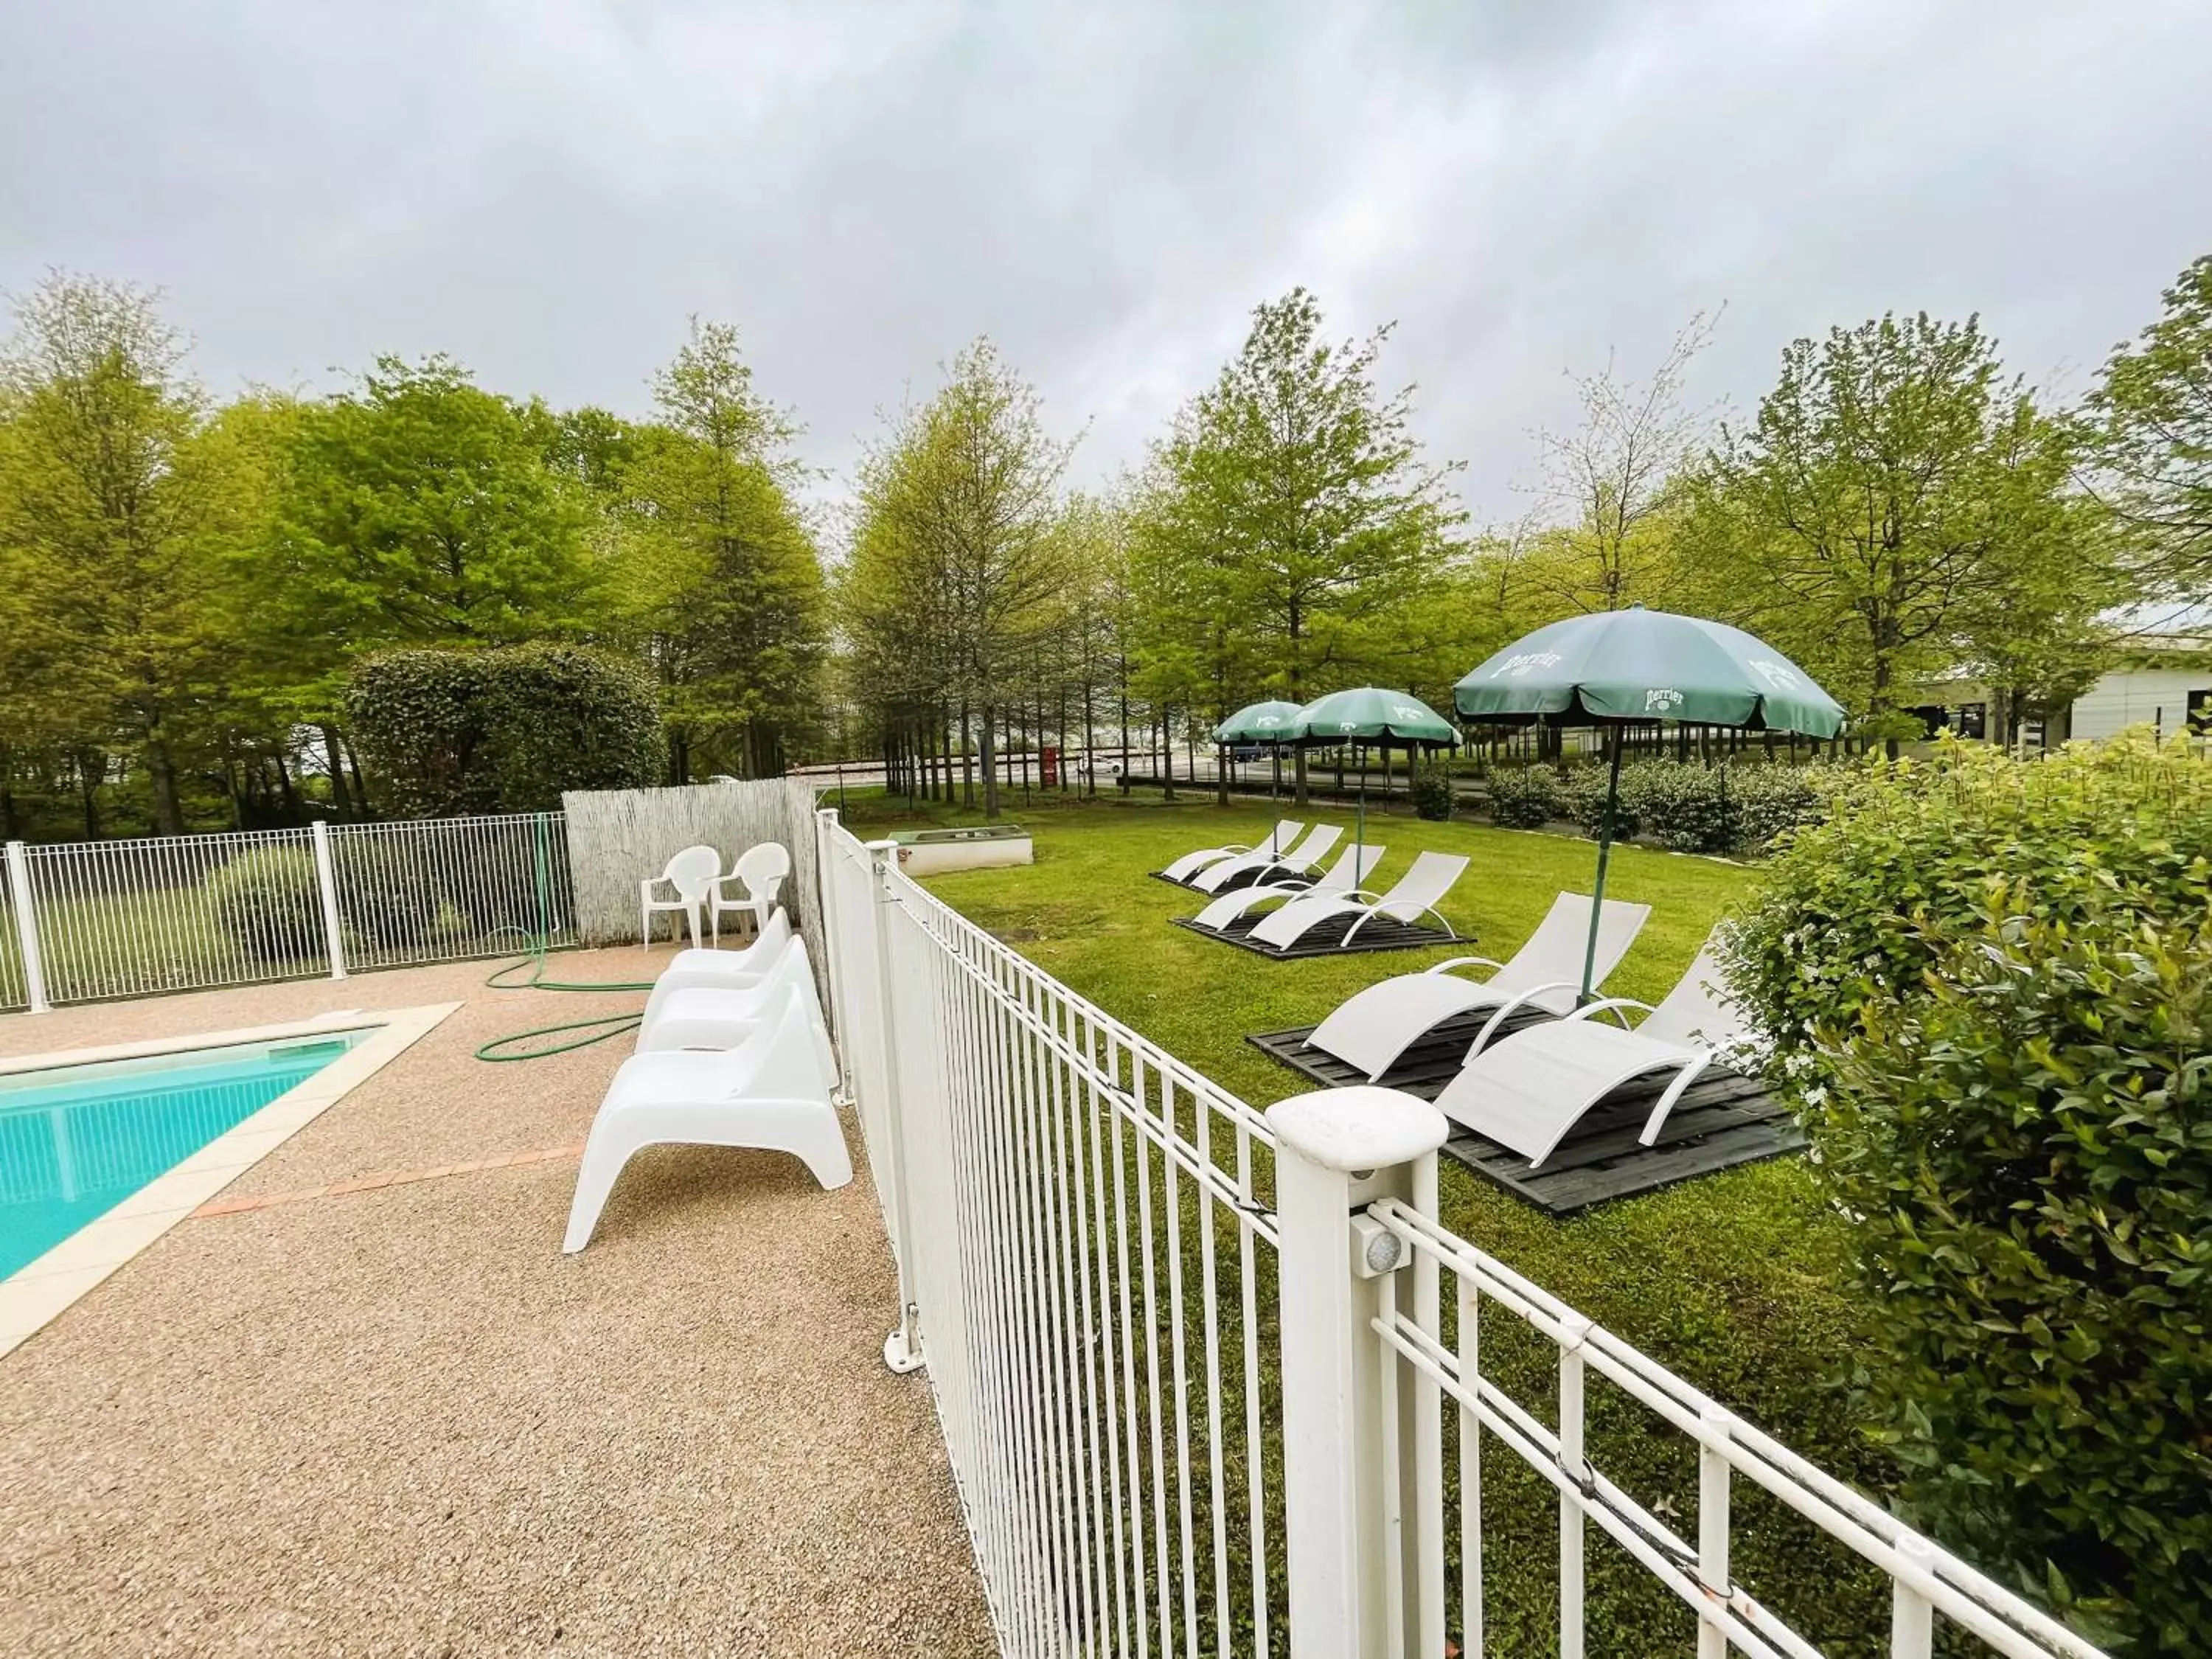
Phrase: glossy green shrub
(1582, 802)
(1770, 800)
(1986, 984)
(453, 732)
(1526, 798)
(1690, 807)
(1433, 797)
(271, 902)
(1683, 807)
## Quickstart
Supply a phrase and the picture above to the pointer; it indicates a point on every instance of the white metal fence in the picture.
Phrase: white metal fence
(1085, 1269)
(1202, 1391)
(86, 921)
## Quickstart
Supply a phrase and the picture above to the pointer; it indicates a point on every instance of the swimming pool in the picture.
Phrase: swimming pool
(77, 1140)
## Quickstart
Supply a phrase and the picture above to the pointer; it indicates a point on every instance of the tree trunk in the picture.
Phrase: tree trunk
(89, 775)
(989, 758)
(360, 787)
(340, 797)
(291, 796)
(967, 758)
(162, 771)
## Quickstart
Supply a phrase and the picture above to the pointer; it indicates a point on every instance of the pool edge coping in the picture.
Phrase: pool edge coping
(43, 1288)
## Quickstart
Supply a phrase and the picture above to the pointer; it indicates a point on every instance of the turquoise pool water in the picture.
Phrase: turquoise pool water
(77, 1140)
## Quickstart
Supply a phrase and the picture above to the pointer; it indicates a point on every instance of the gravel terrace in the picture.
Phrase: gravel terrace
(397, 1420)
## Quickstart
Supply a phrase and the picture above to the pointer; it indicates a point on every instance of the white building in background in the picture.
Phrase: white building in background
(2145, 692)
(2169, 699)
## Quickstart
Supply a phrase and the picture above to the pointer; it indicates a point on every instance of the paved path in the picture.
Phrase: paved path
(362, 1404)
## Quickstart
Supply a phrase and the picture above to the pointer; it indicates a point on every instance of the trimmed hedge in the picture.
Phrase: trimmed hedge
(452, 732)
(1988, 984)
(1526, 798)
(1682, 806)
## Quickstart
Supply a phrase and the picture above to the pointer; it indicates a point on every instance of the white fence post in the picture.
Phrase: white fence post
(1340, 1150)
(902, 1347)
(333, 936)
(26, 928)
(1912, 1616)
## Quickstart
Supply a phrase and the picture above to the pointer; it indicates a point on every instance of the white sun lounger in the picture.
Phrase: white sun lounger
(1296, 861)
(1370, 1029)
(1191, 863)
(1528, 1089)
(1417, 894)
(1353, 866)
(770, 1093)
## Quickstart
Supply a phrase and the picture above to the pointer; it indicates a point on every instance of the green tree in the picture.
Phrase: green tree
(2150, 431)
(1299, 496)
(1604, 535)
(116, 502)
(726, 583)
(1892, 485)
(418, 509)
(957, 551)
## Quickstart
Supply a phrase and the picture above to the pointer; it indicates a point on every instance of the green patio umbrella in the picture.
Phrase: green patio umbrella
(1368, 714)
(1259, 722)
(1618, 666)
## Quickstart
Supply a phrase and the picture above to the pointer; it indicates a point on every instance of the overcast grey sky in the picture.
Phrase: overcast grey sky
(545, 189)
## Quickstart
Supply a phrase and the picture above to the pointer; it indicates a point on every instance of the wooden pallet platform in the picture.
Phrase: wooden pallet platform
(1328, 939)
(1722, 1119)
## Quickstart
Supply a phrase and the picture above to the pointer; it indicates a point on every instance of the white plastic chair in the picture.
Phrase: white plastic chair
(1353, 866)
(760, 869)
(1370, 1029)
(1216, 877)
(690, 875)
(1416, 894)
(770, 1093)
(688, 1013)
(1191, 863)
(1528, 1089)
(725, 970)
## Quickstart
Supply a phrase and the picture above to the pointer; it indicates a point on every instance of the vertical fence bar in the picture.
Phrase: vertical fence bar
(1575, 1467)
(1470, 1473)
(1713, 1535)
(27, 929)
(333, 936)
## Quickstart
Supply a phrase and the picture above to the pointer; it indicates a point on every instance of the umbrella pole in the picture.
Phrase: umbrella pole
(1604, 853)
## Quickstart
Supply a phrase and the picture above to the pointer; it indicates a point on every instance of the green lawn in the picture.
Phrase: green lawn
(1731, 1280)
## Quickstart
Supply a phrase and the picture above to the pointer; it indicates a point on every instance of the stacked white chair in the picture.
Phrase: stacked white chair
(732, 1051)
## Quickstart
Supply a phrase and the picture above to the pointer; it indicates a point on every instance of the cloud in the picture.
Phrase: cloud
(548, 188)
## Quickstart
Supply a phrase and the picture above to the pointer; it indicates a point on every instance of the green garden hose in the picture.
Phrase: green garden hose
(606, 1026)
